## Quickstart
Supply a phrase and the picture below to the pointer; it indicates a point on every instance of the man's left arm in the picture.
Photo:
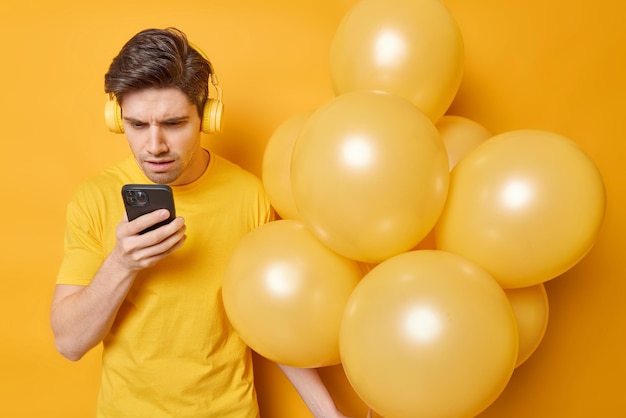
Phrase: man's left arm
(312, 390)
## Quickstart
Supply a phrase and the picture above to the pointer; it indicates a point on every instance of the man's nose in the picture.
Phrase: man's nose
(156, 142)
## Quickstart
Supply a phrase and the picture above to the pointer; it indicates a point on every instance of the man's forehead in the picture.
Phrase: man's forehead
(159, 104)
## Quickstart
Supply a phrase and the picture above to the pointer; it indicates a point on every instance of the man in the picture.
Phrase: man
(154, 299)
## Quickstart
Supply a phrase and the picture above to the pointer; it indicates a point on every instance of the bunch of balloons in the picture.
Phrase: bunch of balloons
(413, 246)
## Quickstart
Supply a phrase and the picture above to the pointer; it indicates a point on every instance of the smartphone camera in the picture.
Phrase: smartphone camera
(136, 197)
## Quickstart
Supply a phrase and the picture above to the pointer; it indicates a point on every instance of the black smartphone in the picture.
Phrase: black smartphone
(140, 199)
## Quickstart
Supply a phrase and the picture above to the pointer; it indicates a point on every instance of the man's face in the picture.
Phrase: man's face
(163, 131)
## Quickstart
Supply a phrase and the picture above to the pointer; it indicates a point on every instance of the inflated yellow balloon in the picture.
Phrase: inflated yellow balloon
(285, 293)
(460, 135)
(276, 166)
(525, 205)
(530, 306)
(369, 175)
(428, 334)
(412, 48)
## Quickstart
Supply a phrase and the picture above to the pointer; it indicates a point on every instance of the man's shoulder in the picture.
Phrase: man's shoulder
(234, 171)
(110, 179)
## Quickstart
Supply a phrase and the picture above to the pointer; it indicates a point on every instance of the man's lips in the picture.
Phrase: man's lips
(159, 165)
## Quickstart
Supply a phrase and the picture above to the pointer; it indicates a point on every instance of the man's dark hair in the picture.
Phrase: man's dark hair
(159, 58)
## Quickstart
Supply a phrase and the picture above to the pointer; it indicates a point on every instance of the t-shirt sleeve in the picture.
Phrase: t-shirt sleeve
(83, 253)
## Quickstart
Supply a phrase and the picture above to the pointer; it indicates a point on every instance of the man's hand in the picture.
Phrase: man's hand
(138, 251)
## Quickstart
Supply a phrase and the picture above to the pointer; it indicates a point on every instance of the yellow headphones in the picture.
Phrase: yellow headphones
(211, 113)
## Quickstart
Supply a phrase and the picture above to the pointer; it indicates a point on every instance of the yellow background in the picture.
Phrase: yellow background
(543, 64)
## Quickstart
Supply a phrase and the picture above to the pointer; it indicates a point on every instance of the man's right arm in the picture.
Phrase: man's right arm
(81, 316)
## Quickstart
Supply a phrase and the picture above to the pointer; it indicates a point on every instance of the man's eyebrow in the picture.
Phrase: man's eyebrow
(175, 119)
(171, 119)
(131, 119)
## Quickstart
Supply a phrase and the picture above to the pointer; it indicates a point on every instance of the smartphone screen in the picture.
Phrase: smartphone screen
(140, 199)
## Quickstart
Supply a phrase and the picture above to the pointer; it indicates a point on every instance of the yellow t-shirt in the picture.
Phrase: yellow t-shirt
(171, 351)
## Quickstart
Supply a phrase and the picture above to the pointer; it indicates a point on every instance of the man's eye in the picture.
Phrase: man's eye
(137, 125)
(174, 123)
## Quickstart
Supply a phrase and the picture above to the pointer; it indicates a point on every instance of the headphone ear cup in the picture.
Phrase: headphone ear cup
(113, 115)
(212, 116)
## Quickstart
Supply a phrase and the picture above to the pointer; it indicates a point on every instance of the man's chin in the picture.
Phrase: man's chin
(161, 178)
